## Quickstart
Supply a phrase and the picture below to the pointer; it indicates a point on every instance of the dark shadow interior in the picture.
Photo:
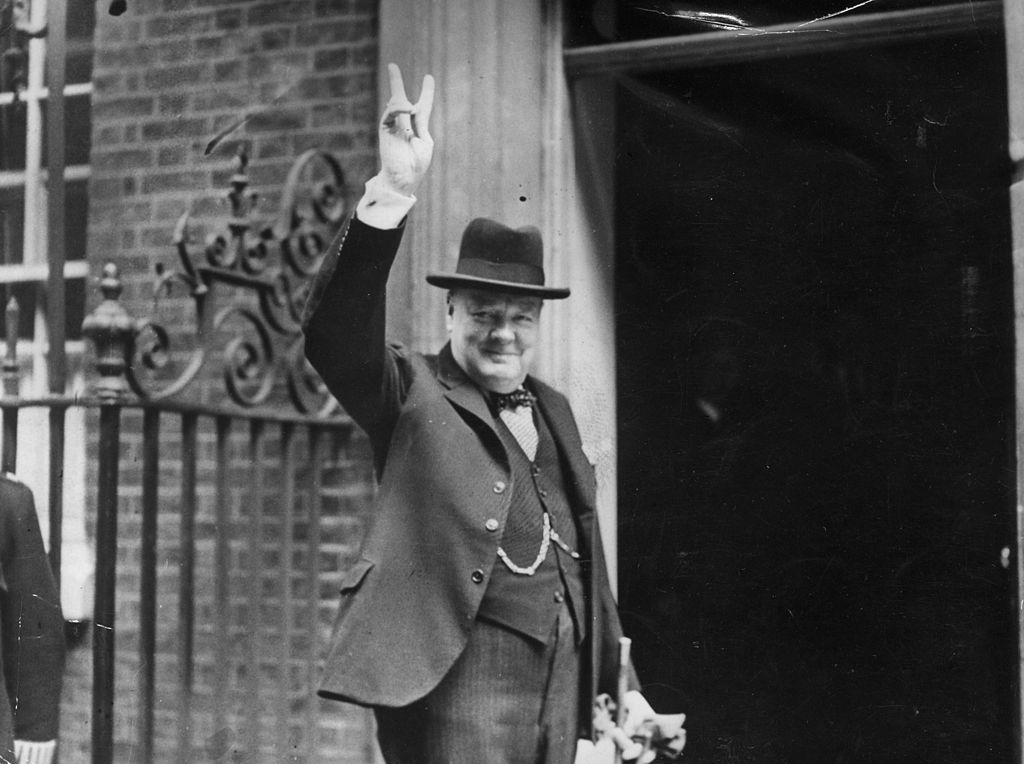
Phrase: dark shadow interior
(816, 475)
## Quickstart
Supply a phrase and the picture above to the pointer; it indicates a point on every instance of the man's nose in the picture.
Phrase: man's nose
(502, 331)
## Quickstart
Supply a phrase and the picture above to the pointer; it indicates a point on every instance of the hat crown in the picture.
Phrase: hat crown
(497, 257)
(492, 242)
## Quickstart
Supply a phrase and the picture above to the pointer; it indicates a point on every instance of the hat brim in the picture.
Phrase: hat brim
(454, 280)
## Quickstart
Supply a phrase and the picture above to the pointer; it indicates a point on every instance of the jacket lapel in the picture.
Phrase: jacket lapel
(563, 429)
(461, 390)
(463, 393)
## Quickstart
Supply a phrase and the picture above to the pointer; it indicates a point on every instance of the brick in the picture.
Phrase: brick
(276, 39)
(278, 118)
(214, 46)
(233, 98)
(164, 129)
(365, 55)
(319, 33)
(330, 59)
(225, 71)
(121, 159)
(274, 147)
(113, 30)
(173, 51)
(320, 88)
(105, 110)
(185, 25)
(281, 12)
(107, 135)
(181, 76)
(359, 84)
(174, 181)
(330, 115)
(229, 19)
(333, 7)
(278, 67)
(121, 56)
(173, 103)
(111, 82)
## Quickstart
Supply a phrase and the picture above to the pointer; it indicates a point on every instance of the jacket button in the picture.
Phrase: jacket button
(499, 487)
(491, 525)
(559, 597)
(543, 493)
(478, 576)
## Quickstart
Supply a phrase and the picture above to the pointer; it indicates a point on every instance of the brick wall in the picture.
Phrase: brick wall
(170, 75)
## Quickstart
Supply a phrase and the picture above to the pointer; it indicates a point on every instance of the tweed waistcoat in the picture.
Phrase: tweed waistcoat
(530, 604)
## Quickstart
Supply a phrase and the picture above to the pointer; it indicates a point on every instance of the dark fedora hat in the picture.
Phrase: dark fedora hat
(495, 257)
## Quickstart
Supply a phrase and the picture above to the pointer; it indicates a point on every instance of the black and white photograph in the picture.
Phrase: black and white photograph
(534, 382)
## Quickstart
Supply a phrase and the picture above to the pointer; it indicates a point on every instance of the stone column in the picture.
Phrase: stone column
(506, 129)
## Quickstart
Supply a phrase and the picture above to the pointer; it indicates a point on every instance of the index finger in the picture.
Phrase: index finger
(397, 86)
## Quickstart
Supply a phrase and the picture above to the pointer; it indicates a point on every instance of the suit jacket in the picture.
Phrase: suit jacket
(31, 625)
(409, 603)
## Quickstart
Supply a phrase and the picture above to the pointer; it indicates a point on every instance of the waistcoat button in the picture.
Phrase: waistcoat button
(491, 525)
(477, 576)
(499, 487)
(559, 597)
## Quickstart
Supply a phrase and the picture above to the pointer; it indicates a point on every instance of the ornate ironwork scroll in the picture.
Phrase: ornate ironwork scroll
(247, 287)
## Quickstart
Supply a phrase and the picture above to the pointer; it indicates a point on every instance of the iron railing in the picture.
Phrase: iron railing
(246, 290)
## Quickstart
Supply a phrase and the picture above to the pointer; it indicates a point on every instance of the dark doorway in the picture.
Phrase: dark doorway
(814, 316)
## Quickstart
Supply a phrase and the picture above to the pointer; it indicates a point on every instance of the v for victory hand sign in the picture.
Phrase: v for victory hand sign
(405, 143)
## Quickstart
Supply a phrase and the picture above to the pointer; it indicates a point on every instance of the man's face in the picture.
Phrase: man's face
(493, 336)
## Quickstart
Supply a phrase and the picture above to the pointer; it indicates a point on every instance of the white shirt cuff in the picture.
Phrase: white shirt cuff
(382, 206)
(33, 752)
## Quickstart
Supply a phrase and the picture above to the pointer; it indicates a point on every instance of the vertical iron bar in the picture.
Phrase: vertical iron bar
(186, 592)
(106, 576)
(221, 583)
(147, 572)
(255, 581)
(57, 416)
(317, 459)
(56, 35)
(11, 374)
(10, 455)
(287, 525)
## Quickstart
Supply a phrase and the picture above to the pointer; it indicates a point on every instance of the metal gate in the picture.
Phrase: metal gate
(214, 449)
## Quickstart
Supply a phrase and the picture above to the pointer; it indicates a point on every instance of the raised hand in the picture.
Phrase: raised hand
(405, 143)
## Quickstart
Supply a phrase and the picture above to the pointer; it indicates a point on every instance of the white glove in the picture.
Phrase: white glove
(406, 149)
(33, 752)
(663, 732)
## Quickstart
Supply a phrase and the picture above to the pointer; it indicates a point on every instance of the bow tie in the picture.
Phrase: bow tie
(514, 399)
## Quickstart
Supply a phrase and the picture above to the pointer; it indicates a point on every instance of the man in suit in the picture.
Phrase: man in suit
(31, 633)
(478, 622)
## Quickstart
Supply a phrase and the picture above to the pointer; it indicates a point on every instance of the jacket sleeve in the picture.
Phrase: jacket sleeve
(33, 625)
(344, 325)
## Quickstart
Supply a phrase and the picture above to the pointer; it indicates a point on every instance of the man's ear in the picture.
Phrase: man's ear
(450, 313)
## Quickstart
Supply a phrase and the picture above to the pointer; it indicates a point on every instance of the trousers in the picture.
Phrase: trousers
(508, 699)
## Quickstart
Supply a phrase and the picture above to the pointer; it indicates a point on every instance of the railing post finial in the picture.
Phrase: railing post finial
(112, 333)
